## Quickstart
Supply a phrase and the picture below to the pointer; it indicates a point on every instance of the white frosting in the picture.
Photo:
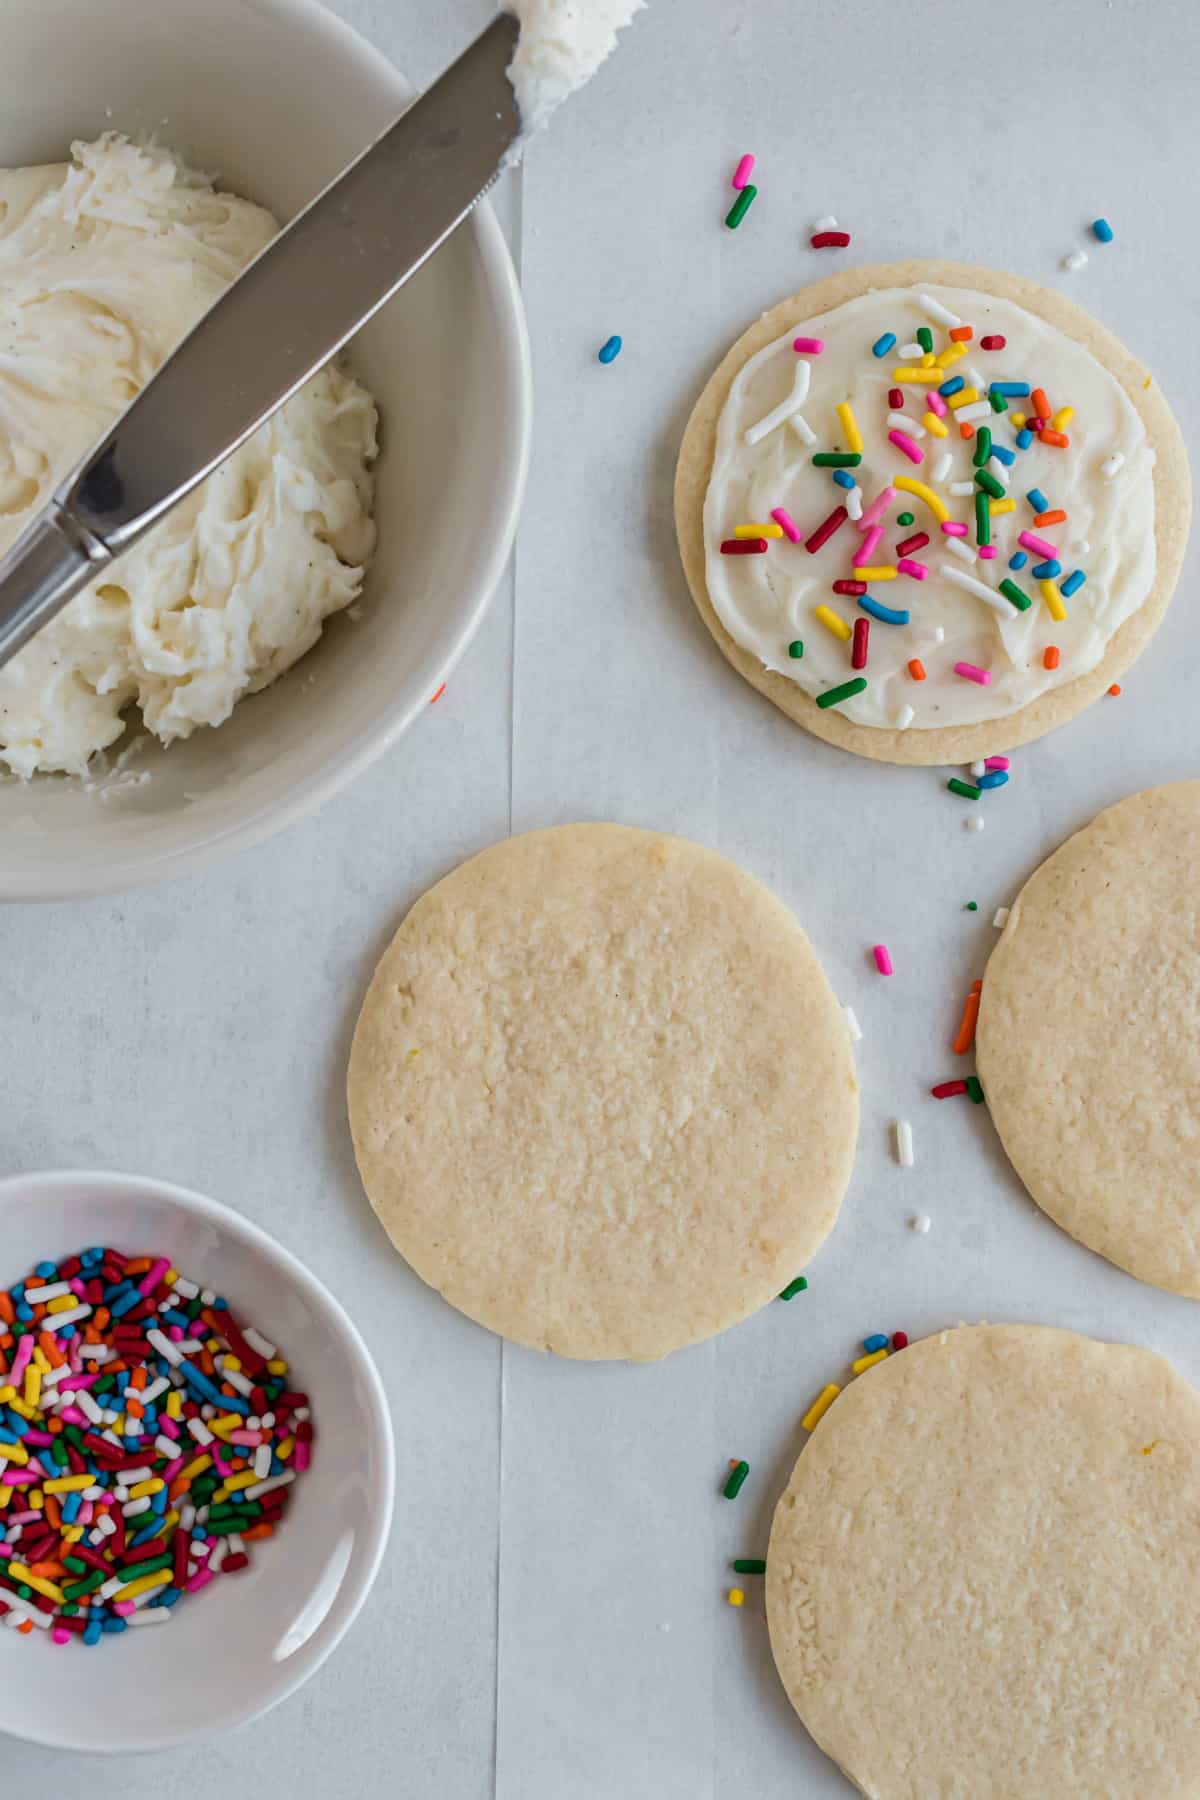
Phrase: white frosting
(562, 44)
(105, 264)
(767, 602)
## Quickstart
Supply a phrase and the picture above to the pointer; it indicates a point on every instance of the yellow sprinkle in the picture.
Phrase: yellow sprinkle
(8, 1394)
(1006, 505)
(62, 1303)
(171, 1277)
(927, 361)
(831, 621)
(413, 1055)
(37, 1582)
(223, 1426)
(757, 531)
(26, 1411)
(277, 1366)
(285, 1449)
(849, 424)
(232, 1362)
(219, 1494)
(1146, 383)
(35, 1499)
(907, 485)
(153, 1484)
(881, 572)
(174, 1404)
(6, 1493)
(33, 1385)
(1063, 417)
(926, 377)
(196, 1467)
(169, 1522)
(41, 1361)
(235, 1483)
(1055, 604)
(864, 1362)
(69, 1484)
(950, 355)
(820, 1406)
(14, 1453)
(1018, 420)
(71, 1534)
(933, 424)
(142, 1585)
(1147, 1448)
(213, 1344)
(736, 1597)
(965, 397)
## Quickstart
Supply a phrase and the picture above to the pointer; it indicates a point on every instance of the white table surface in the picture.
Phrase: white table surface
(550, 1621)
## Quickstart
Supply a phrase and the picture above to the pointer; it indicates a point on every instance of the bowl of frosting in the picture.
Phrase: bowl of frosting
(279, 629)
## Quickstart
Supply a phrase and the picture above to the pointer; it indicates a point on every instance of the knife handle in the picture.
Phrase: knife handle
(51, 561)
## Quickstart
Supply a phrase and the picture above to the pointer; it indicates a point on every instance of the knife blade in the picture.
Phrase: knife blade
(288, 313)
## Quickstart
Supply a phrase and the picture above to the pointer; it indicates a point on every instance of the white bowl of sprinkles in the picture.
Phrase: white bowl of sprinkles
(237, 1642)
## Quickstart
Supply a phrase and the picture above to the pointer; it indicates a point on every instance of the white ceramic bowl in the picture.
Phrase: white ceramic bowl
(277, 96)
(250, 1639)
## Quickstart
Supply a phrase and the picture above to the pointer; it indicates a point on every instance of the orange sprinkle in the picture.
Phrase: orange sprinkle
(53, 1424)
(1058, 438)
(1115, 689)
(138, 1265)
(1040, 404)
(258, 1531)
(26, 1625)
(1057, 517)
(916, 669)
(966, 1031)
(966, 429)
(138, 1378)
(102, 1317)
(961, 334)
(1050, 657)
(49, 1571)
(52, 1510)
(438, 695)
(50, 1350)
(8, 1311)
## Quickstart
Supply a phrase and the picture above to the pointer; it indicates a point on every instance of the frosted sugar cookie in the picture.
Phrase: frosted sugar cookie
(983, 1580)
(931, 511)
(601, 1093)
(1088, 1042)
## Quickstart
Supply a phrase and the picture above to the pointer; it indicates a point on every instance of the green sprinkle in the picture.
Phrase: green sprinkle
(223, 1527)
(749, 1565)
(796, 649)
(998, 402)
(1012, 592)
(96, 1579)
(964, 788)
(139, 1569)
(987, 481)
(70, 1609)
(974, 1088)
(836, 459)
(58, 1451)
(925, 339)
(794, 1287)
(847, 691)
(905, 519)
(76, 1564)
(983, 519)
(972, 906)
(23, 1592)
(983, 447)
(741, 206)
(737, 1475)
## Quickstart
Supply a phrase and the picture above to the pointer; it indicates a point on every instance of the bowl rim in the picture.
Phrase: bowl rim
(512, 354)
(367, 1559)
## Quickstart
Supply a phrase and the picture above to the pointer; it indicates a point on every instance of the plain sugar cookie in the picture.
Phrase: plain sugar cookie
(602, 1096)
(1088, 1042)
(983, 1580)
(931, 511)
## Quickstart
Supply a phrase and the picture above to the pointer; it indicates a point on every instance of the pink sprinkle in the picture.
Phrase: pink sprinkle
(969, 672)
(23, 1353)
(69, 1382)
(936, 404)
(200, 1580)
(153, 1276)
(172, 1469)
(175, 1333)
(877, 508)
(123, 1608)
(866, 550)
(883, 960)
(996, 762)
(791, 530)
(987, 551)
(61, 1635)
(1031, 541)
(168, 1426)
(918, 570)
(743, 172)
(954, 528)
(808, 346)
(907, 446)
(300, 1458)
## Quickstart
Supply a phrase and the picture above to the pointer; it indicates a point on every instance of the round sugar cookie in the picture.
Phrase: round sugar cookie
(983, 1579)
(1088, 1040)
(602, 1096)
(1120, 478)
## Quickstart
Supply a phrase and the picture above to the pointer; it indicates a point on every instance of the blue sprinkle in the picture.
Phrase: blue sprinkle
(883, 344)
(1002, 455)
(993, 779)
(1102, 230)
(844, 478)
(1072, 584)
(610, 351)
(25, 1313)
(127, 1302)
(168, 1597)
(71, 1506)
(1024, 438)
(1046, 571)
(876, 1342)
(955, 385)
(46, 1270)
(116, 1624)
(1038, 500)
(1012, 390)
(885, 614)
(1018, 560)
(92, 1630)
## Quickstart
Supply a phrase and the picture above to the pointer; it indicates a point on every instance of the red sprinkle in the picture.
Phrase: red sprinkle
(945, 1090)
(896, 399)
(746, 546)
(992, 343)
(821, 535)
(850, 587)
(830, 240)
(959, 334)
(917, 541)
(858, 650)
(899, 1342)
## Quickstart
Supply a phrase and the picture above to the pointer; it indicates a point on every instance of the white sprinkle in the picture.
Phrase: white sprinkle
(1000, 918)
(980, 589)
(800, 425)
(187, 1290)
(71, 1316)
(904, 1144)
(937, 311)
(960, 489)
(777, 416)
(157, 1615)
(910, 353)
(852, 1025)
(53, 1292)
(132, 1508)
(1002, 474)
(854, 505)
(1111, 464)
(258, 1488)
(166, 1448)
(257, 1342)
(982, 409)
(829, 224)
(959, 547)
(921, 1222)
(939, 634)
(262, 1461)
(904, 718)
(976, 823)
(164, 1346)
(1081, 548)
(905, 422)
(207, 1296)
(199, 1430)
(974, 378)
(1075, 261)
(978, 768)
(943, 466)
